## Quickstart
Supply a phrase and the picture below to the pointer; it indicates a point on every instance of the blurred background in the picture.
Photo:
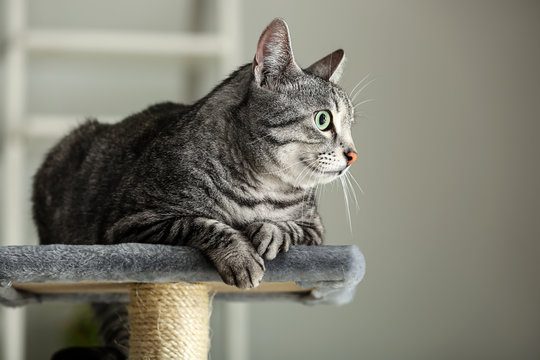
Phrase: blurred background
(449, 160)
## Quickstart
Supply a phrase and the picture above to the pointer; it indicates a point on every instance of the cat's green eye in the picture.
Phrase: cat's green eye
(323, 120)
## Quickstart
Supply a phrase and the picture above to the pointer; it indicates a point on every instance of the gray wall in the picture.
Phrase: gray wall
(450, 218)
(449, 161)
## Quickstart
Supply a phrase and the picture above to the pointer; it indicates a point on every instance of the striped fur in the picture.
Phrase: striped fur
(232, 174)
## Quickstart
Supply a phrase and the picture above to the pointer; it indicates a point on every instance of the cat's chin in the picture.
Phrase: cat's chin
(322, 178)
(329, 177)
(319, 178)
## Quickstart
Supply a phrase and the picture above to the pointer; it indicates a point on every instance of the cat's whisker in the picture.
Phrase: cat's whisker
(352, 191)
(307, 174)
(297, 179)
(357, 184)
(346, 187)
(363, 102)
(308, 167)
(362, 89)
(319, 188)
(346, 202)
(358, 84)
(360, 116)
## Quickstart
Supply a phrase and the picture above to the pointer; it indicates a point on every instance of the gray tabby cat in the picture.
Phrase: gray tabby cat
(230, 175)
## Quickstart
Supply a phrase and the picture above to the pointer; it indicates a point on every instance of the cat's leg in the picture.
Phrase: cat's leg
(313, 230)
(231, 252)
(114, 330)
(89, 353)
(270, 238)
(229, 249)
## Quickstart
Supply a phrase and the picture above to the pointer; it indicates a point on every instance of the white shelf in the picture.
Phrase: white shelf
(130, 43)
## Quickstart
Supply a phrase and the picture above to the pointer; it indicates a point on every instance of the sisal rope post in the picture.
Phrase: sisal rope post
(169, 321)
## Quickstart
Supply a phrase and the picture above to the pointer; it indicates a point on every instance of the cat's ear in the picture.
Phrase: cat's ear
(274, 60)
(329, 67)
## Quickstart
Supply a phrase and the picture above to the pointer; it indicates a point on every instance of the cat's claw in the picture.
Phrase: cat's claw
(269, 239)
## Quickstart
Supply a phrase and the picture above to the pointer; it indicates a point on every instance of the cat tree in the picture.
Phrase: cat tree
(169, 289)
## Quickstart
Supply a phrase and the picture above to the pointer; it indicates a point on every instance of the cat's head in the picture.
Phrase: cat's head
(301, 118)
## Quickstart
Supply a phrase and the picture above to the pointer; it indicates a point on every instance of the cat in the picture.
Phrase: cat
(232, 174)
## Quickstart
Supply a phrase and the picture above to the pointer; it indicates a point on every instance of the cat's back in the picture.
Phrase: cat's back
(73, 185)
(54, 178)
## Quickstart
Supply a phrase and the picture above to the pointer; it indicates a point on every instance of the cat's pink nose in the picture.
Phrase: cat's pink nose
(351, 157)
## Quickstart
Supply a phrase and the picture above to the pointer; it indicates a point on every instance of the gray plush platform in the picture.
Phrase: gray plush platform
(30, 274)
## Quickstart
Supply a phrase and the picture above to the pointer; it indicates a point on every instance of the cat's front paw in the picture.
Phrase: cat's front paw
(238, 263)
(269, 238)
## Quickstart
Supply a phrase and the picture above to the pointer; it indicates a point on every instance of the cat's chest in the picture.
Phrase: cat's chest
(246, 215)
(271, 208)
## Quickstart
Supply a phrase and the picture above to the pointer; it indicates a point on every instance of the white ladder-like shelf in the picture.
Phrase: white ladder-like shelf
(129, 43)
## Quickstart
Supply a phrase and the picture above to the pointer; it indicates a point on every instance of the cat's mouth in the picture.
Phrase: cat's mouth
(325, 173)
(333, 172)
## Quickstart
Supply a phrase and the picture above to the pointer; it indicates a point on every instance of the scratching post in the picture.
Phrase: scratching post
(168, 287)
(169, 321)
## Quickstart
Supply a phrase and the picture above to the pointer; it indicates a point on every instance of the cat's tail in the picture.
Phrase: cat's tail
(114, 332)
